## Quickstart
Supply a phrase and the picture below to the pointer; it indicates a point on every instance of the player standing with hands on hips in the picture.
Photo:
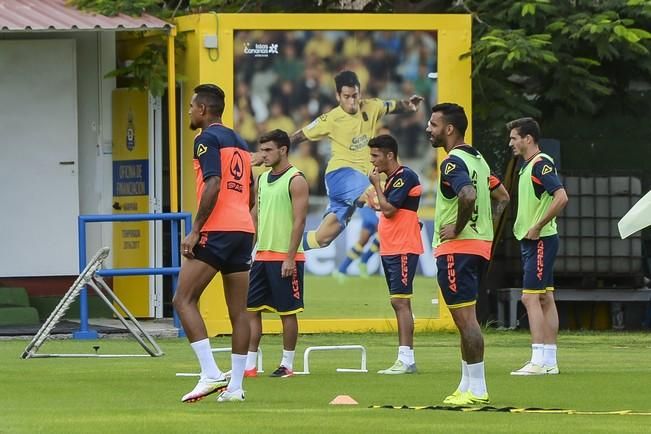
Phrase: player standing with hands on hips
(541, 197)
(463, 237)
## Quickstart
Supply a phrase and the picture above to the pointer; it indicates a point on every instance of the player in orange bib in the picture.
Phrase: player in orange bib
(401, 245)
(221, 240)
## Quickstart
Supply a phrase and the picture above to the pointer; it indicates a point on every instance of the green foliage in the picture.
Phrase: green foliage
(148, 70)
(169, 8)
(114, 7)
(538, 57)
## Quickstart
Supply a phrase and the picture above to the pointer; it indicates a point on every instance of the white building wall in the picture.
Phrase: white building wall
(95, 58)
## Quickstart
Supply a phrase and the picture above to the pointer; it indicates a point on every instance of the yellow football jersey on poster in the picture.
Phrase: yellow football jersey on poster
(349, 134)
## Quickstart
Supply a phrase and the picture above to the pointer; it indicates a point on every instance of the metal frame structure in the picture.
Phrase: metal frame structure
(309, 350)
(90, 277)
(84, 332)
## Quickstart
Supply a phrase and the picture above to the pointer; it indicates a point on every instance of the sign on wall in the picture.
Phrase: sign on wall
(131, 195)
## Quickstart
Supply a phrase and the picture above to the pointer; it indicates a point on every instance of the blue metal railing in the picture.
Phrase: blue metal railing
(84, 332)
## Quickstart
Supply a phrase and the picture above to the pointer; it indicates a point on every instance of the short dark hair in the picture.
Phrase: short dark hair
(212, 96)
(524, 127)
(385, 142)
(279, 137)
(346, 78)
(454, 115)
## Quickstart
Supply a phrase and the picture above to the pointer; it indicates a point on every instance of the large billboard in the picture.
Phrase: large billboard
(285, 80)
(279, 70)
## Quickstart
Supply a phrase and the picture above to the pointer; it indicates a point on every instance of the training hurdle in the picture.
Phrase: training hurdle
(310, 350)
(90, 275)
(84, 331)
(225, 350)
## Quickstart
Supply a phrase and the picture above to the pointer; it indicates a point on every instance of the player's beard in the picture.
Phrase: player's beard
(193, 127)
(436, 141)
(272, 163)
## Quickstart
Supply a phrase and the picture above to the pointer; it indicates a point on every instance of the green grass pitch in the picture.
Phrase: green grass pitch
(364, 298)
(605, 371)
(599, 372)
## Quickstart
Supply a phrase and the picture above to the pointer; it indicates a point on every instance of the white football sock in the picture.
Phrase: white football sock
(251, 360)
(537, 354)
(238, 361)
(406, 355)
(477, 383)
(207, 362)
(549, 354)
(288, 359)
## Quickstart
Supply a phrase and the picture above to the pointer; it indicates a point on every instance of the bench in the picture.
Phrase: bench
(511, 296)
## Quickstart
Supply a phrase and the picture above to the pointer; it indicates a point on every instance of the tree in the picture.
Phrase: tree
(539, 57)
(170, 8)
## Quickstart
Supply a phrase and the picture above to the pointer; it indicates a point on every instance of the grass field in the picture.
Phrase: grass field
(605, 371)
(364, 298)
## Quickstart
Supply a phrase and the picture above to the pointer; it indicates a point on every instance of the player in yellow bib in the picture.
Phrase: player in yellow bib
(463, 237)
(276, 281)
(349, 127)
(541, 198)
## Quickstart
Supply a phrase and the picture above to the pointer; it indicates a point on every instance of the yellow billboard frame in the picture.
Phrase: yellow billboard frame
(215, 65)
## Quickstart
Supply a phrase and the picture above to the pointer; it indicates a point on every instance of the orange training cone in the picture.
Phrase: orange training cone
(343, 400)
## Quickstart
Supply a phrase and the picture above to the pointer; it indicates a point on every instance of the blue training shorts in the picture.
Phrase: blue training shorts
(459, 276)
(269, 292)
(538, 258)
(344, 186)
(227, 252)
(399, 272)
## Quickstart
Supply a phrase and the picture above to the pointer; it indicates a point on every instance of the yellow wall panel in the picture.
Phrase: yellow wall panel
(131, 195)
(203, 65)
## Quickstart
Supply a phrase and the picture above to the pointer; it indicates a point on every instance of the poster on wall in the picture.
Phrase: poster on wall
(285, 80)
